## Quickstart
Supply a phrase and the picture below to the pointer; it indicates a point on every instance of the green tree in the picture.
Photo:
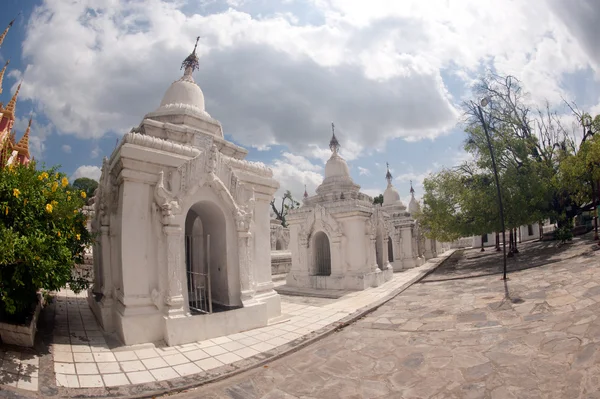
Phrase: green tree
(378, 199)
(42, 236)
(287, 203)
(86, 184)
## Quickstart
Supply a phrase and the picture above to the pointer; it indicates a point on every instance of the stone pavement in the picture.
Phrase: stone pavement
(83, 361)
(538, 336)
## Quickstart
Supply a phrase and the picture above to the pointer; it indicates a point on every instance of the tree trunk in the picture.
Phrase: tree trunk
(510, 243)
(515, 250)
(482, 249)
(498, 242)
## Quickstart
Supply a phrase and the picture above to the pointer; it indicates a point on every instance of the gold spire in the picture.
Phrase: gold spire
(9, 112)
(3, 35)
(23, 144)
(2, 74)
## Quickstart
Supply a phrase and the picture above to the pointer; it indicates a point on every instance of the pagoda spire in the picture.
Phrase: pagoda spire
(412, 190)
(305, 192)
(23, 144)
(9, 112)
(334, 144)
(3, 35)
(2, 74)
(191, 63)
(388, 175)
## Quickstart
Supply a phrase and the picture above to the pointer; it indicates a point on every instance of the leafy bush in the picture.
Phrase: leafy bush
(43, 236)
(563, 234)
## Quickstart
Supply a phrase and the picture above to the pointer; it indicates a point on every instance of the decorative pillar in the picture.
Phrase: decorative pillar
(106, 266)
(174, 298)
(246, 277)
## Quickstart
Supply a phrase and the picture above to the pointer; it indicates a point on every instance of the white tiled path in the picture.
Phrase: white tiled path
(82, 358)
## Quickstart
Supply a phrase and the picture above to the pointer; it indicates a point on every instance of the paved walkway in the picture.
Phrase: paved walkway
(83, 361)
(469, 337)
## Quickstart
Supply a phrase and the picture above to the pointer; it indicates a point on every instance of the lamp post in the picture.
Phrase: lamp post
(485, 102)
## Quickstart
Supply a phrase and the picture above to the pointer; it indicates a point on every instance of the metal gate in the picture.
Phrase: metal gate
(198, 282)
(322, 254)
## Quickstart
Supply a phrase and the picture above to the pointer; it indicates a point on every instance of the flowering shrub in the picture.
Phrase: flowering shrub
(42, 236)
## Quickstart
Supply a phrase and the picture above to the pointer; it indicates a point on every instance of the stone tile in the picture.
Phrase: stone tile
(140, 377)
(29, 383)
(146, 353)
(83, 357)
(64, 368)
(215, 350)
(67, 380)
(154, 363)
(249, 341)
(205, 344)
(61, 348)
(220, 340)
(228, 358)
(198, 354)
(277, 341)
(132, 365)
(114, 380)
(262, 347)
(174, 360)
(125, 356)
(63, 357)
(246, 352)
(80, 349)
(187, 369)
(109, 367)
(86, 368)
(104, 357)
(232, 346)
(208, 363)
(90, 381)
(166, 373)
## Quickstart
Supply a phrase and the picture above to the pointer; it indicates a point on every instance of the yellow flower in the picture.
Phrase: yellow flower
(16, 192)
(83, 194)
(64, 182)
(58, 233)
(54, 186)
(78, 237)
(68, 192)
(37, 258)
(68, 198)
(56, 175)
(48, 208)
(75, 211)
(43, 176)
(6, 211)
(25, 201)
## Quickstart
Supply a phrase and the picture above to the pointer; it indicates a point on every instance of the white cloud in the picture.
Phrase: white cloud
(95, 152)
(294, 172)
(376, 67)
(90, 171)
(66, 148)
(363, 171)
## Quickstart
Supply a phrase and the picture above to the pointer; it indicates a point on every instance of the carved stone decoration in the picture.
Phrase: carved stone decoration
(166, 201)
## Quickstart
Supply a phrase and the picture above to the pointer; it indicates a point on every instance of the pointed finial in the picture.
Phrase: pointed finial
(190, 64)
(3, 35)
(334, 145)
(388, 175)
(412, 190)
(23, 145)
(2, 74)
(9, 112)
(305, 193)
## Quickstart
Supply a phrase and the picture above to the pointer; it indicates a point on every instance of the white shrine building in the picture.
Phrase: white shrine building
(183, 252)
(337, 239)
(403, 251)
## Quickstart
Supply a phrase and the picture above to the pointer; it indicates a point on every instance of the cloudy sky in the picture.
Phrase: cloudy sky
(390, 74)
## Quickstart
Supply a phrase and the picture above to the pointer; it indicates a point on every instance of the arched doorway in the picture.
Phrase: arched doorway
(206, 258)
(279, 245)
(322, 254)
(390, 248)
